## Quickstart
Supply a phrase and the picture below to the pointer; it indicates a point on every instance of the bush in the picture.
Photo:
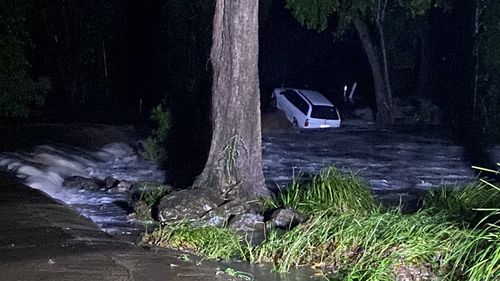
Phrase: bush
(156, 144)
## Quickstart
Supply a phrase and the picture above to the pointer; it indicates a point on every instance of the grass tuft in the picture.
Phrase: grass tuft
(465, 204)
(210, 242)
(331, 190)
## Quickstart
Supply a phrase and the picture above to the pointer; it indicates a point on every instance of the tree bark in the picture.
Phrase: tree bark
(382, 92)
(234, 165)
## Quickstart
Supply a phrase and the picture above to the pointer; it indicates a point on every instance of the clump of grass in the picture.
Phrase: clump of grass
(151, 193)
(330, 190)
(482, 252)
(365, 247)
(208, 241)
(464, 203)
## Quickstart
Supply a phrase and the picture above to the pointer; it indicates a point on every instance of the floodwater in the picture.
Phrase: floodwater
(46, 167)
(392, 161)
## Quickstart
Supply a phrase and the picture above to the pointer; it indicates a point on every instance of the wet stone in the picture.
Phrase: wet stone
(111, 182)
(286, 218)
(190, 205)
(247, 222)
(122, 186)
(250, 226)
(78, 182)
(142, 211)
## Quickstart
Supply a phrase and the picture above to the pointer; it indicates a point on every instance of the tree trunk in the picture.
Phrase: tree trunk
(382, 93)
(234, 165)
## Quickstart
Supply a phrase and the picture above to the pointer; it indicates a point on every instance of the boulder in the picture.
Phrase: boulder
(250, 226)
(111, 182)
(223, 213)
(142, 211)
(122, 186)
(286, 218)
(83, 183)
(187, 205)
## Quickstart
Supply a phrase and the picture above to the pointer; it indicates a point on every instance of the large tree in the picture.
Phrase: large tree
(234, 166)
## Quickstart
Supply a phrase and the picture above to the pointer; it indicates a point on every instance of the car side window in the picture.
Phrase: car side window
(303, 106)
(297, 101)
(290, 95)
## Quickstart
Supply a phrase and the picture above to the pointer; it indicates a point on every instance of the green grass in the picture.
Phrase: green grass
(366, 247)
(331, 190)
(465, 204)
(456, 236)
(210, 242)
(151, 193)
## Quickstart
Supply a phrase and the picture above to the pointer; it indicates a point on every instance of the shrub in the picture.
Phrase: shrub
(156, 144)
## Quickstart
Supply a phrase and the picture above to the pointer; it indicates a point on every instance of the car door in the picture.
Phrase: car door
(290, 97)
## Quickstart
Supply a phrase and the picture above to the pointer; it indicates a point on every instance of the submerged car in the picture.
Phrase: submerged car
(306, 109)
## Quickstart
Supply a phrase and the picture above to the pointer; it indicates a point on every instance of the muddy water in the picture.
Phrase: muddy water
(394, 162)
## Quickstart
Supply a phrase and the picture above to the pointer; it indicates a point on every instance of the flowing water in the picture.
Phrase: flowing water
(391, 161)
(394, 162)
(46, 167)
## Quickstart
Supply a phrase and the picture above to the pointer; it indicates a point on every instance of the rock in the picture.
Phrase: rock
(221, 215)
(190, 205)
(414, 273)
(250, 226)
(247, 222)
(142, 211)
(83, 183)
(122, 186)
(286, 218)
(111, 182)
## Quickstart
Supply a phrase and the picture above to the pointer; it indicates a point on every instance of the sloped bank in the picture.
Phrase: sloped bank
(44, 240)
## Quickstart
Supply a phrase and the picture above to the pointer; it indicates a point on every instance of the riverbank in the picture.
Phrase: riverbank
(42, 239)
(334, 224)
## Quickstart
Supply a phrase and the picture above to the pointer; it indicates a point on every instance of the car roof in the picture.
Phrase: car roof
(314, 97)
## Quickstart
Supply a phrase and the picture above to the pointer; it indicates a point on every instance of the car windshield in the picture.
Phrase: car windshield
(324, 112)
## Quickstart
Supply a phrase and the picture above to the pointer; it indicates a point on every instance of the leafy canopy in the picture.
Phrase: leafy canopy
(315, 13)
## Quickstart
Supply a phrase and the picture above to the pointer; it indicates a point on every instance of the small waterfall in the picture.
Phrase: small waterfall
(47, 166)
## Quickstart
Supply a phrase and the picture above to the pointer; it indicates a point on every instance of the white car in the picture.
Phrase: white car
(306, 109)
